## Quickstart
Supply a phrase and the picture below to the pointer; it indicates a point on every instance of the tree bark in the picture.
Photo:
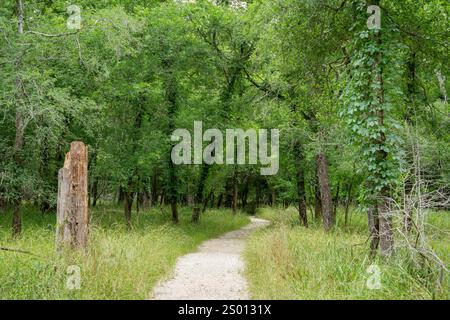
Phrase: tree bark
(72, 208)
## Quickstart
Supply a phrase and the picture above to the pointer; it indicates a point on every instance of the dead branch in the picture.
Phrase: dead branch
(18, 251)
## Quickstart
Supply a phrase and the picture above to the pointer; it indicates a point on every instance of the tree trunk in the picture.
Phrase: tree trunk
(386, 230)
(44, 203)
(336, 199)
(94, 193)
(208, 198)
(154, 189)
(374, 228)
(301, 194)
(17, 221)
(121, 196)
(171, 96)
(72, 208)
(163, 197)
(196, 215)
(127, 206)
(317, 200)
(213, 201)
(173, 207)
(274, 197)
(235, 193)
(325, 192)
(347, 202)
(245, 192)
(20, 128)
(442, 88)
(385, 223)
(219, 201)
(138, 202)
(200, 189)
(258, 193)
(146, 199)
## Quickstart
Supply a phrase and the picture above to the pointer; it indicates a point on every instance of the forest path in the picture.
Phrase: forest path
(214, 272)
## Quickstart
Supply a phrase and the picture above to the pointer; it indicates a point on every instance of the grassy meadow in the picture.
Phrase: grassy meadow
(287, 261)
(284, 260)
(119, 264)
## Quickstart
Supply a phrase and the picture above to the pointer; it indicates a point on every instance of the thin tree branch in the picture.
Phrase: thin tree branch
(54, 35)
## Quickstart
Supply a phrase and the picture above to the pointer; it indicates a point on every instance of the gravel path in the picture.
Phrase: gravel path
(214, 272)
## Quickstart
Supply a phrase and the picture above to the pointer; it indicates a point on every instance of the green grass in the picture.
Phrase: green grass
(120, 263)
(287, 261)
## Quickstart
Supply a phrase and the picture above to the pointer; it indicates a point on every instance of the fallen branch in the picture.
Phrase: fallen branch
(56, 35)
(18, 251)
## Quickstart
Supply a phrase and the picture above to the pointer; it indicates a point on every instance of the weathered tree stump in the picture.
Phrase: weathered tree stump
(72, 207)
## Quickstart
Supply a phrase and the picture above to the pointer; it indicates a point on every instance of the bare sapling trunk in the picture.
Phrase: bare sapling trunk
(336, 198)
(301, 193)
(347, 202)
(72, 206)
(385, 220)
(171, 95)
(20, 128)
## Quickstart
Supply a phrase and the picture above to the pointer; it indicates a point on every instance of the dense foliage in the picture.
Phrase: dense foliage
(363, 113)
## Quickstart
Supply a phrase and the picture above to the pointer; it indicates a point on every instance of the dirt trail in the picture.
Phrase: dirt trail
(214, 272)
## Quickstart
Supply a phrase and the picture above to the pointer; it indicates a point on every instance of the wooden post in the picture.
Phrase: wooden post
(72, 207)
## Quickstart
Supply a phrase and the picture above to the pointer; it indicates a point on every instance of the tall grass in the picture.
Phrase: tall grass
(287, 261)
(119, 264)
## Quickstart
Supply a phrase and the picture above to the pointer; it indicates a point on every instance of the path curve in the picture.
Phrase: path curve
(214, 272)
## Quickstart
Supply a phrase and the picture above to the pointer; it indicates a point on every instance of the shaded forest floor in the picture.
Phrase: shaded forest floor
(120, 263)
(287, 261)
